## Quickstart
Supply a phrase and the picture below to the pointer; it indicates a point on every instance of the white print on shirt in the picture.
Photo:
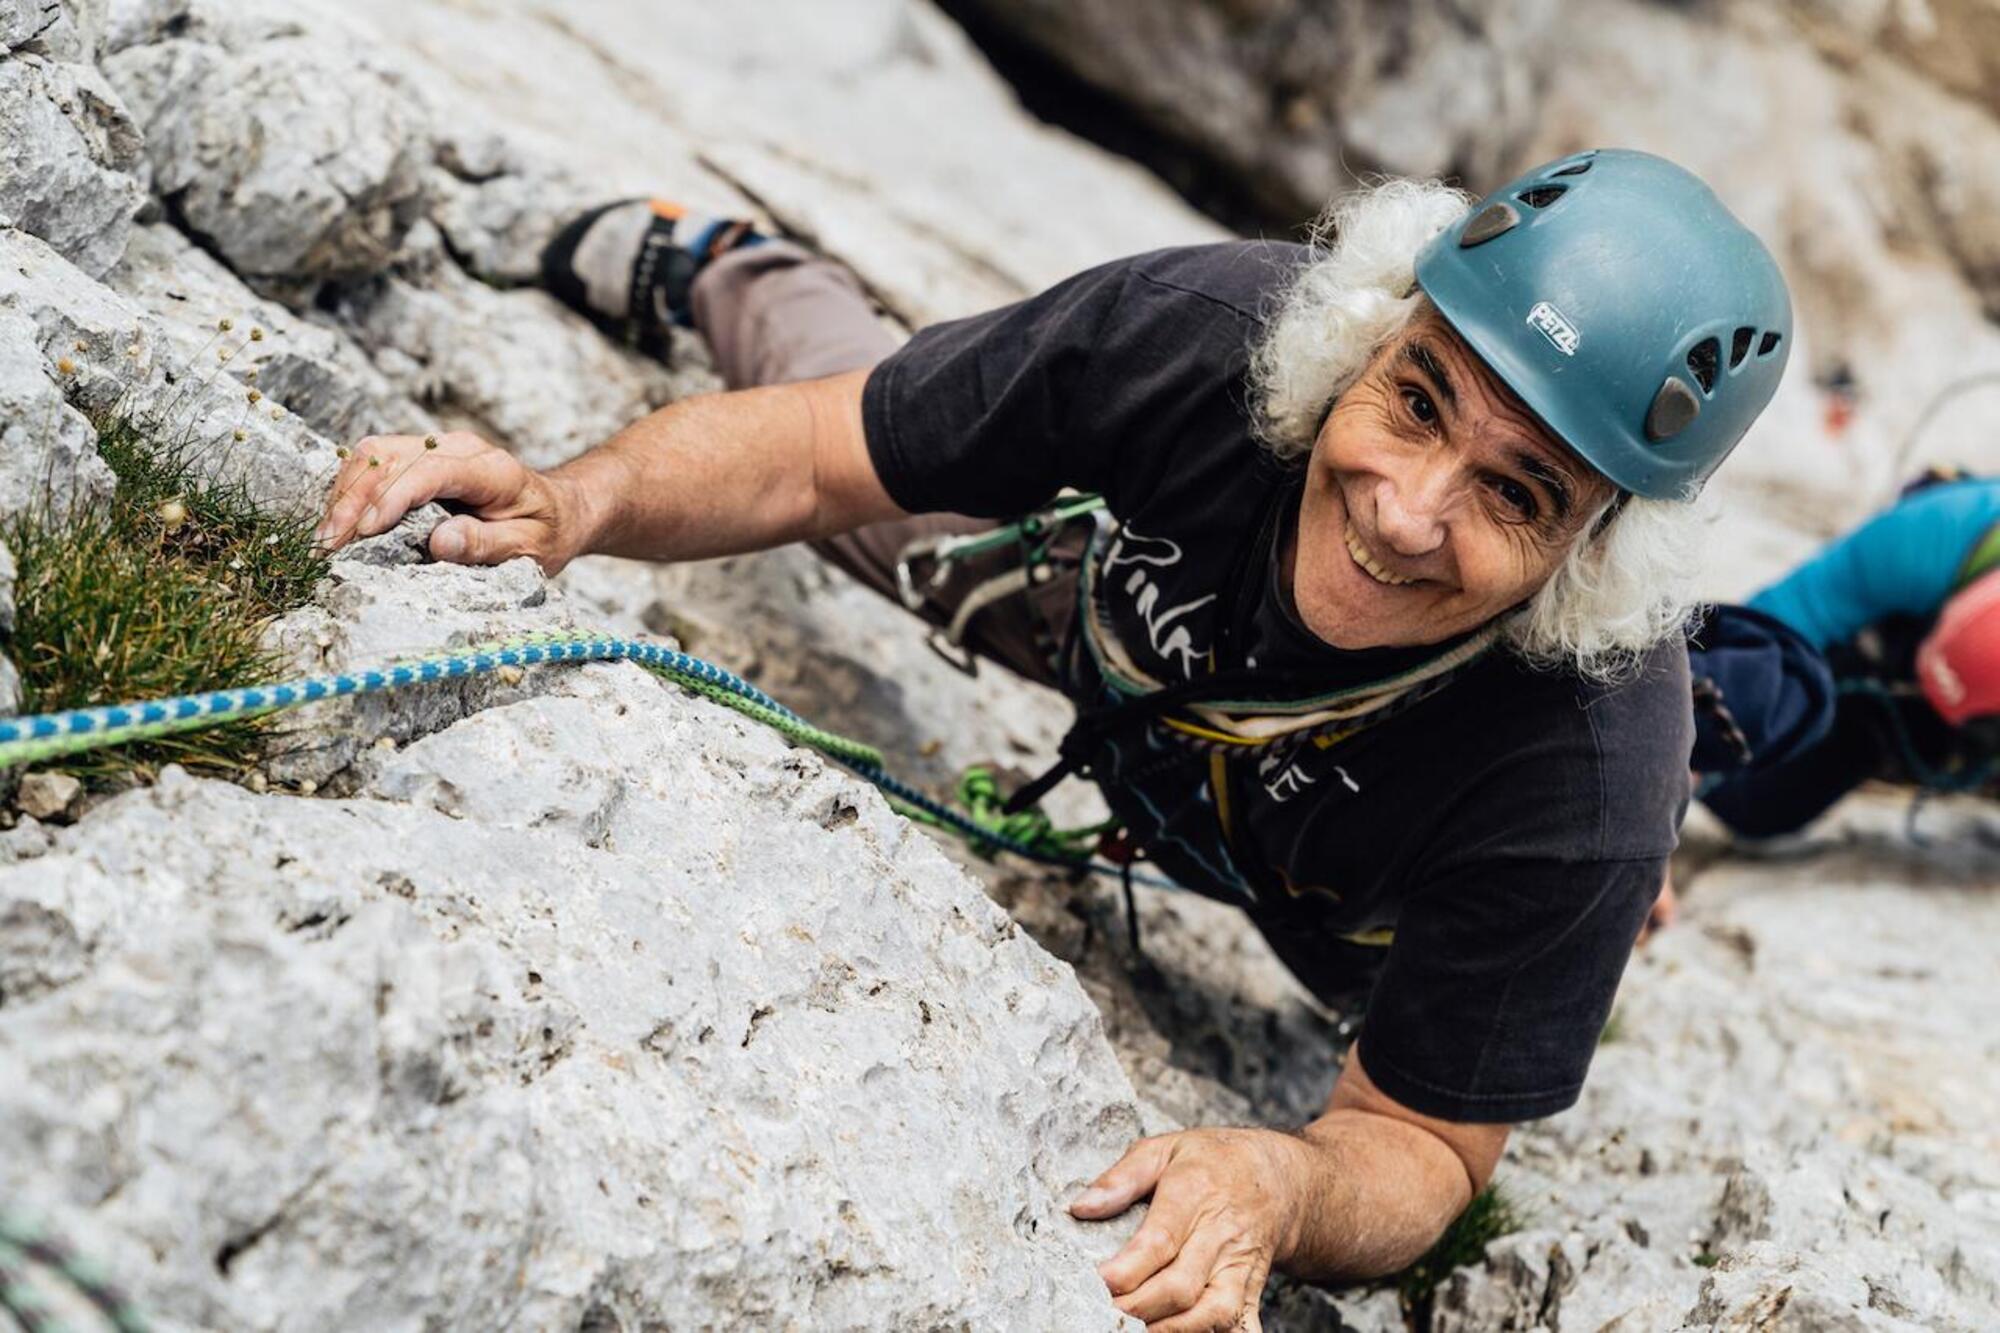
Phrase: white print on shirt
(1289, 784)
(1294, 779)
(1170, 641)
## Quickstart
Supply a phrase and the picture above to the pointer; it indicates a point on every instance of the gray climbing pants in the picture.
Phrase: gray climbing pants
(776, 313)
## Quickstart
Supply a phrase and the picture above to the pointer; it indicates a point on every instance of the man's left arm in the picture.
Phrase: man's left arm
(1487, 1013)
(1360, 1192)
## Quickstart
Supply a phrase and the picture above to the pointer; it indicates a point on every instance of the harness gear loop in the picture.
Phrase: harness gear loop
(1032, 535)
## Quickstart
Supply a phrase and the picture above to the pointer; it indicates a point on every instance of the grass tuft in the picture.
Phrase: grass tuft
(164, 590)
(1491, 1215)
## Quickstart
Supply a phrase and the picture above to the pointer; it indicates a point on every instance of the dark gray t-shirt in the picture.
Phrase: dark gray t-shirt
(1511, 830)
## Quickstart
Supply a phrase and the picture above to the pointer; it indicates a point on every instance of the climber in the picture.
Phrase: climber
(1891, 672)
(1380, 639)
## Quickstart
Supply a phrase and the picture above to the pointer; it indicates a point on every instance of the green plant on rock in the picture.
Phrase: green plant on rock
(1490, 1215)
(165, 589)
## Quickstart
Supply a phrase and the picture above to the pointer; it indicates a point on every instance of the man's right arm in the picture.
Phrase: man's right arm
(716, 474)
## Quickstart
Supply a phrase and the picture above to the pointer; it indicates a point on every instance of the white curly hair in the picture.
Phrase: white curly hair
(1628, 582)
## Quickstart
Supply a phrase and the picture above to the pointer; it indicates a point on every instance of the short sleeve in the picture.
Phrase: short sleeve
(1499, 983)
(981, 416)
(1093, 384)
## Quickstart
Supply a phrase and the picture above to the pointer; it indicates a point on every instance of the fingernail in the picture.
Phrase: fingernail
(448, 542)
(1091, 1198)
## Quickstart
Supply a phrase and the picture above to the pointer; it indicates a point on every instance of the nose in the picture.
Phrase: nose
(1410, 508)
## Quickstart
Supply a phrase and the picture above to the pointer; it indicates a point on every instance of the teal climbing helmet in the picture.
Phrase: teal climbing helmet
(1631, 312)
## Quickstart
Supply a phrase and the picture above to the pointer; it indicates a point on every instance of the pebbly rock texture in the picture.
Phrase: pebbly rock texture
(1791, 1124)
(70, 347)
(528, 1035)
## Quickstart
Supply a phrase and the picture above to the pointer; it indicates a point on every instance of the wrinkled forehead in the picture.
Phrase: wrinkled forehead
(1433, 346)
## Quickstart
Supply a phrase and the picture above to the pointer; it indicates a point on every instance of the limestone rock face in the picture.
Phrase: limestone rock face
(64, 29)
(293, 157)
(1292, 100)
(71, 347)
(527, 1034)
(323, 379)
(1789, 1116)
(65, 162)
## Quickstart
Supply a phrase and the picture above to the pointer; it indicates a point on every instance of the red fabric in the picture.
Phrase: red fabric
(1959, 664)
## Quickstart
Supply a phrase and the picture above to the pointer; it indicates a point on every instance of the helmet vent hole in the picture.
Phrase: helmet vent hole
(1575, 168)
(1739, 347)
(1704, 361)
(1541, 196)
(1769, 345)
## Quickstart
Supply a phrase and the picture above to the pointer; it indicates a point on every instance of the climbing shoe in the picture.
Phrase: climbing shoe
(629, 266)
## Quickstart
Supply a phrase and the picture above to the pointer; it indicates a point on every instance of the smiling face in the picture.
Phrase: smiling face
(1434, 500)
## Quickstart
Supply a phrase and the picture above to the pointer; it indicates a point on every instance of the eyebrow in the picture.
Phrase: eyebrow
(1562, 491)
(1420, 356)
(1553, 480)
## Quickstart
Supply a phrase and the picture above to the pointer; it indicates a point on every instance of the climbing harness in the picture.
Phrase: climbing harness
(25, 740)
(1930, 780)
(1033, 536)
(26, 1246)
(1208, 714)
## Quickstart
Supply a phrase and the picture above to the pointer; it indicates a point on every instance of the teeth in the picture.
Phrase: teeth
(1368, 562)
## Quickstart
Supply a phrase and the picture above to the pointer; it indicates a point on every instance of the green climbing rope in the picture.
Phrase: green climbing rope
(984, 804)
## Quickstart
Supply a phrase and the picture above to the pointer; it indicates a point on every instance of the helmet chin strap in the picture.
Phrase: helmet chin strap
(1611, 511)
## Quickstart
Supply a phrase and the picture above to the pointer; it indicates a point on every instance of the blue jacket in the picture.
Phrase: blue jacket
(1906, 560)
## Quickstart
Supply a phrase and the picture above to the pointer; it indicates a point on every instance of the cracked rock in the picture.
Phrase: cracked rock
(66, 159)
(292, 156)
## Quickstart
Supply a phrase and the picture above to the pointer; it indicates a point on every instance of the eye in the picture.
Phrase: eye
(1518, 503)
(1420, 405)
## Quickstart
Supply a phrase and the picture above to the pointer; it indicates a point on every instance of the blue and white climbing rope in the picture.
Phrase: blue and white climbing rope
(34, 739)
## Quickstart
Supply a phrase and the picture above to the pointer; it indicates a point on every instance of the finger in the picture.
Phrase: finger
(1250, 1309)
(1177, 1287)
(469, 541)
(1231, 1300)
(1152, 1247)
(1212, 1314)
(368, 466)
(487, 480)
(1130, 1179)
(458, 467)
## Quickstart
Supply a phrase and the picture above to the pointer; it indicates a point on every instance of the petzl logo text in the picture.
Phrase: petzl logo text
(1554, 327)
